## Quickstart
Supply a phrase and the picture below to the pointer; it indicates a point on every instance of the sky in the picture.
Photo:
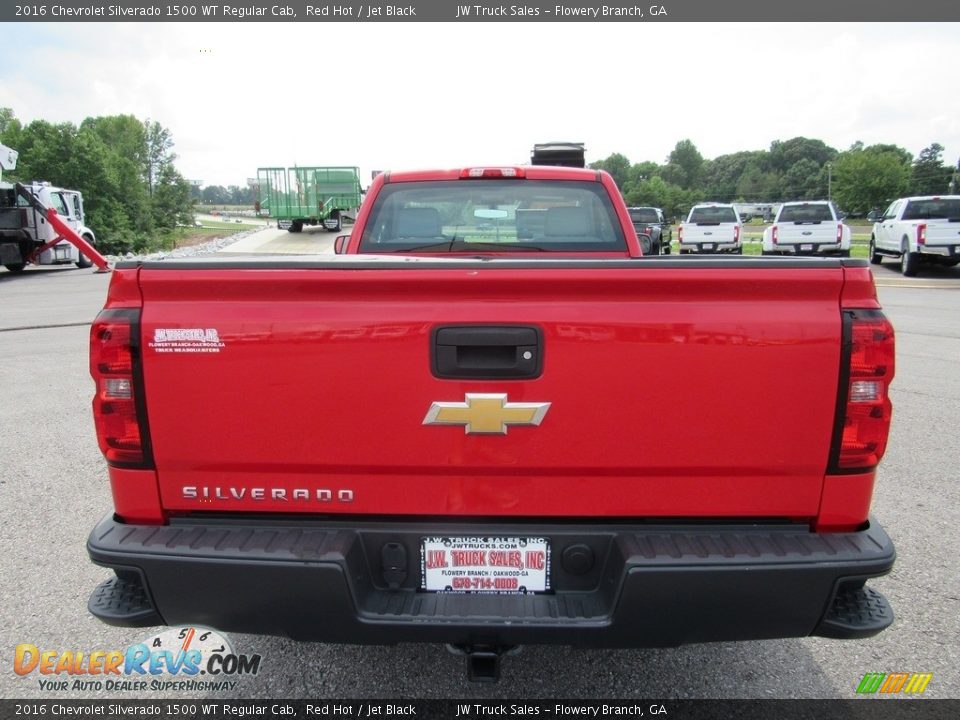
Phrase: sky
(415, 95)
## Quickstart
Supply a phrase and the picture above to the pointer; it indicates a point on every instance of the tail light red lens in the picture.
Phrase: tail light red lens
(117, 406)
(775, 233)
(860, 438)
(839, 232)
(922, 234)
(680, 234)
(492, 172)
(736, 233)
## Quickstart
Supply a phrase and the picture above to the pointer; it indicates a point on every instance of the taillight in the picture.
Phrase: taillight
(680, 234)
(775, 232)
(863, 410)
(117, 406)
(922, 234)
(736, 233)
(839, 232)
(492, 172)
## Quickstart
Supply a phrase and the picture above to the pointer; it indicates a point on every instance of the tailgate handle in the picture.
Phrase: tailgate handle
(480, 352)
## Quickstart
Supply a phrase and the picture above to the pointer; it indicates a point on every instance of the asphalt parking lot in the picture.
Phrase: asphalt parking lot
(53, 489)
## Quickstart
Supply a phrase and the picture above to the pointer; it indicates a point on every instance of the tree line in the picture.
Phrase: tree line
(133, 195)
(220, 195)
(857, 180)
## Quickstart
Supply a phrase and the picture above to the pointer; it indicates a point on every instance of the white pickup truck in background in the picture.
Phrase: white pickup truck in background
(918, 230)
(807, 228)
(711, 228)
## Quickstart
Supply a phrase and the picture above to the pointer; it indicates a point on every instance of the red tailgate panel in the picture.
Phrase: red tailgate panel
(673, 392)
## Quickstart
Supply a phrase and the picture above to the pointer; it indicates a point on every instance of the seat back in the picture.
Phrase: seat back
(418, 222)
(569, 222)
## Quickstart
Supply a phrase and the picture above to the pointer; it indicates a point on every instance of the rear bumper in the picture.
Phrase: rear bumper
(946, 251)
(831, 248)
(709, 247)
(640, 585)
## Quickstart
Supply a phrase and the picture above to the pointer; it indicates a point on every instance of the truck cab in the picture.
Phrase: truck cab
(23, 229)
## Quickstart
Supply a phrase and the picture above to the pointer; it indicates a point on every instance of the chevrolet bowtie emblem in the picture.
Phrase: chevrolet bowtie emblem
(486, 413)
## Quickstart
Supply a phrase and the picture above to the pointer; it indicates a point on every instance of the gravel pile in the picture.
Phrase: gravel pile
(207, 248)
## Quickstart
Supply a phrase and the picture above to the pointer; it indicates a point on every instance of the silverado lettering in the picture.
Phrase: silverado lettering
(259, 493)
(484, 296)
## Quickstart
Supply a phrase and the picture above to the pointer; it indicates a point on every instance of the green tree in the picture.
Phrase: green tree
(722, 174)
(684, 165)
(870, 177)
(7, 120)
(928, 175)
(801, 181)
(757, 185)
(171, 199)
(108, 160)
(158, 156)
(617, 165)
(657, 192)
(215, 195)
(785, 154)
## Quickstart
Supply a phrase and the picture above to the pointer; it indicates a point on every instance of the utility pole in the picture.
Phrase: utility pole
(829, 182)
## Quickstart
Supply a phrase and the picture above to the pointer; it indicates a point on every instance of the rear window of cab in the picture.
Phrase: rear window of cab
(712, 215)
(492, 215)
(806, 213)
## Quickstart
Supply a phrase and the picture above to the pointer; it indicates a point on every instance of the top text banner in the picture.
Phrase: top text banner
(465, 11)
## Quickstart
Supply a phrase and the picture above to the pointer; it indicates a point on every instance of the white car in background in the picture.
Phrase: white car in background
(711, 228)
(807, 228)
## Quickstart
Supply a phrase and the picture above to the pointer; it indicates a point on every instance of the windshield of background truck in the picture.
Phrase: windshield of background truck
(456, 216)
(644, 215)
(939, 209)
(806, 213)
(712, 215)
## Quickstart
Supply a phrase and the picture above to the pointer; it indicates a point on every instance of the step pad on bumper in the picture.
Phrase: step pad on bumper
(856, 613)
(123, 603)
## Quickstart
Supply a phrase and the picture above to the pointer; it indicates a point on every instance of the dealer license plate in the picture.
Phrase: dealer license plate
(485, 564)
(806, 247)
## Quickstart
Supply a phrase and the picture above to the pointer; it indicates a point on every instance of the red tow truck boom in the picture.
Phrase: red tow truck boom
(64, 232)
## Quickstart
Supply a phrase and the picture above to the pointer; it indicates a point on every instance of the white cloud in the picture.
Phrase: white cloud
(402, 95)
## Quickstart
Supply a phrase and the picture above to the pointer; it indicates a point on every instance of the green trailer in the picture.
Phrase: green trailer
(299, 196)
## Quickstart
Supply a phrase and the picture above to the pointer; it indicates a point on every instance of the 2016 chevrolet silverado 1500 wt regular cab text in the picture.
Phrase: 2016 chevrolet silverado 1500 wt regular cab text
(918, 230)
(711, 228)
(807, 228)
(437, 435)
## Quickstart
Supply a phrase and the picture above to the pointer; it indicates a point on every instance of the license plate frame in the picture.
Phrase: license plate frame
(806, 247)
(709, 246)
(484, 565)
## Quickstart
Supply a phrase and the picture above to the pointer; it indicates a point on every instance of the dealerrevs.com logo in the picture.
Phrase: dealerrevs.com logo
(181, 658)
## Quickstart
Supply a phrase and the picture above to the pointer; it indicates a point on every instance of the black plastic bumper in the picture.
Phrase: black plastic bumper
(639, 585)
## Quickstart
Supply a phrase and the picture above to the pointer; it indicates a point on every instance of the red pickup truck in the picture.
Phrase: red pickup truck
(443, 435)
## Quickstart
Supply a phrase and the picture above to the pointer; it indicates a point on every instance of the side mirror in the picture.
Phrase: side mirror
(340, 244)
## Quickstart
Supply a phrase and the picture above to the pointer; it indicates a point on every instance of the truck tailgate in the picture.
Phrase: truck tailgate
(699, 390)
(789, 233)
